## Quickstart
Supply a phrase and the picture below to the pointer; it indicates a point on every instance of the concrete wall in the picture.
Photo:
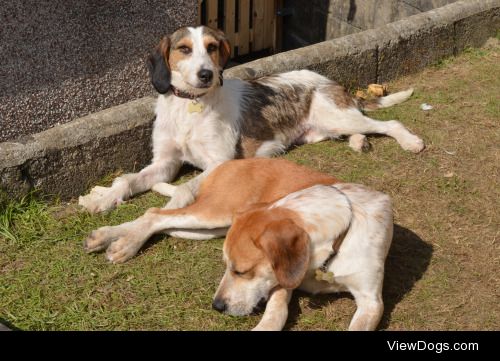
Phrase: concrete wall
(67, 159)
(63, 59)
(329, 19)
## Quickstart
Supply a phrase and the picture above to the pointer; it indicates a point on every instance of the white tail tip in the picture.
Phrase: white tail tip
(395, 98)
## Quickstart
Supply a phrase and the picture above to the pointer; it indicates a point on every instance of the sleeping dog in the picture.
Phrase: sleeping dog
(291, 228)
(204, 121)
(322, 239)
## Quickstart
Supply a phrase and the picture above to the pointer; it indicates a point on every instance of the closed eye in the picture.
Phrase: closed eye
(237, 273)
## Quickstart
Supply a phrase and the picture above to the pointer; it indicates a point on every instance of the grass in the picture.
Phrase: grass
(442, 271)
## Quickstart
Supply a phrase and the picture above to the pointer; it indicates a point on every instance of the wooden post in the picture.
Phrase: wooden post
(229, 23)
(260, 32)
(212, 7)
(244, 28)
(278, 26)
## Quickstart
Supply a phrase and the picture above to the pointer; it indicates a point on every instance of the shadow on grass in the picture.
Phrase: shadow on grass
(407, 261)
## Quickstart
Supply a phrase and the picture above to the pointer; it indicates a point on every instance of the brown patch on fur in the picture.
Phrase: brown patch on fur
(265, 181)
(270, 235)
(179, 34)
(176, 55)
(224, 45)
(163, 48)
(368, 104)
(247, 147)
(340, 96)
(271, 110)
(215, 55)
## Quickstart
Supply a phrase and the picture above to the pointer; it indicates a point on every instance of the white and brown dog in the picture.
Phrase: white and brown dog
(201, 121)
(291, 228)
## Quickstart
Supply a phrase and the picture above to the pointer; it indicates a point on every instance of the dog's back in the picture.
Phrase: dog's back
(244, 182)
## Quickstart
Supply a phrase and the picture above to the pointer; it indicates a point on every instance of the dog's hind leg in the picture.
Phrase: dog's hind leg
(329, 120)
(354, 124)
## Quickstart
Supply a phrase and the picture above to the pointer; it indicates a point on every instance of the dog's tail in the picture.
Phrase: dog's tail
(385, 102)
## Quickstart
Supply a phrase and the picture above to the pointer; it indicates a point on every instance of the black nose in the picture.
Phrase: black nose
(219, 305)
(205, 75)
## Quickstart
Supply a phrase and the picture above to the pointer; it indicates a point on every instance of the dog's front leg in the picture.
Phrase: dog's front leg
(125, 240)
(276, 312)
(184, 194)
(163, 169)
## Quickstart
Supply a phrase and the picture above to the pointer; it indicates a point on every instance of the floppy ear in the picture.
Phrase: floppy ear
(286, 245)
(224, 49)
(159, 69)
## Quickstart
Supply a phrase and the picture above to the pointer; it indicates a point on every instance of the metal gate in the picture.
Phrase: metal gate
(250, 25)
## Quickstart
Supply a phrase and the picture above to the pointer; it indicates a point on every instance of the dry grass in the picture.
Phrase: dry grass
(442, 271)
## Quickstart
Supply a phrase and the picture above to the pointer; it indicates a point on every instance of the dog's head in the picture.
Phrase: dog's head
(263, 249)
(190, 59)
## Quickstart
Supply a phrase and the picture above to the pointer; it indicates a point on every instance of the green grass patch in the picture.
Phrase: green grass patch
(441, 271)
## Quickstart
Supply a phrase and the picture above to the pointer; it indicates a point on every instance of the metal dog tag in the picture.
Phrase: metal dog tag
(324, 276)
(195, 107)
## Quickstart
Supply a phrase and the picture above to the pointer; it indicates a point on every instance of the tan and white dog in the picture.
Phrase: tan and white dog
(291, 228)
(205, 121)
(322, 239)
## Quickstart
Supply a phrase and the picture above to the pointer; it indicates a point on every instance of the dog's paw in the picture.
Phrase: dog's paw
(359, 143)
(100, 199)
(164, 189)
(100, 239)
(413, 144)
(123, 249)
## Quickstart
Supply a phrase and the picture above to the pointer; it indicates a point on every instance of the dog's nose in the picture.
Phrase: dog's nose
(219, 305)
(205, 75)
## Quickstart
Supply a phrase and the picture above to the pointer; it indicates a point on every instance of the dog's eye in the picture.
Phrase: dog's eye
(211, 48)
(237, 273)
(184, 49)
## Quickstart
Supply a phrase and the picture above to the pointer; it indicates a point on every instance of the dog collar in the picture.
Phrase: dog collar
(321, 272)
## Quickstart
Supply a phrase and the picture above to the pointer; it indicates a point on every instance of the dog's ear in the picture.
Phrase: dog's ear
(159, 70)
(224, 49)
(286, 245)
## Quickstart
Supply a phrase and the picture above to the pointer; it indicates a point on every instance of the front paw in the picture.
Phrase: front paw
(100, 199)
(124, 249)
(100, 239)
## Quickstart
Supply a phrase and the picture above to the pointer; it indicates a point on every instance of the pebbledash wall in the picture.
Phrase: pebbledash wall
(63, 59)
(64, 160)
